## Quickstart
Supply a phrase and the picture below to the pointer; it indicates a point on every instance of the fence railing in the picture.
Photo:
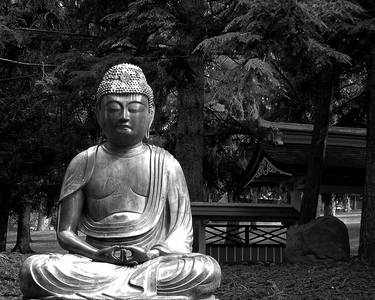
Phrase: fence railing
(235, 232)
(239, 242)
(241, 235)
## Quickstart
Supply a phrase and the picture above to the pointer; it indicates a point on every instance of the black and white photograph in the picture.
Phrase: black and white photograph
(187, 149)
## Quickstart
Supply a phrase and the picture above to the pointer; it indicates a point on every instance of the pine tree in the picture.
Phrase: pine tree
(366, 31)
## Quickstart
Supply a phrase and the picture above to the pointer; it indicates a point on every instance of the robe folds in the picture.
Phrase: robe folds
(165, 225)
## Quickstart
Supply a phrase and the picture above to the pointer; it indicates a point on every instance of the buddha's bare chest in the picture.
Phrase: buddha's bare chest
(118, 186)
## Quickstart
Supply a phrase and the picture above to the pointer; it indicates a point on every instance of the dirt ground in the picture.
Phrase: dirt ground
(340, 280)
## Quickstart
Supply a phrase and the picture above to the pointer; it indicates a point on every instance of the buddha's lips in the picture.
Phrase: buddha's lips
(123, 126)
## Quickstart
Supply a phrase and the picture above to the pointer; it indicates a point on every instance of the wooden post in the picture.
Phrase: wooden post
(295, 197)
(199, 245)
(202, 236)
(247, 229)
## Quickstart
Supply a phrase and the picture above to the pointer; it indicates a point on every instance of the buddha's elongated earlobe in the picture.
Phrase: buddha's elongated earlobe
(147, 136)
(151, 119)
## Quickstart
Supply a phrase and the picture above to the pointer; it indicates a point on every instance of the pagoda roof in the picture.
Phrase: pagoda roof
(293, 156)
(345, 157)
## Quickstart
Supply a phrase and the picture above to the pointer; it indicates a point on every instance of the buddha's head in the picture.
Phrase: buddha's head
(125, 105)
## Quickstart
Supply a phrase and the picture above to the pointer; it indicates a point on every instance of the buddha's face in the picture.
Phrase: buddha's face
(124, 118)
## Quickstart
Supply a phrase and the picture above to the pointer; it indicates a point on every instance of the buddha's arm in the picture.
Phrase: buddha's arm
(70, 211)
(180, 232)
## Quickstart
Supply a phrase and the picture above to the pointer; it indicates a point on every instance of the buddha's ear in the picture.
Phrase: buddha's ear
(151, 117)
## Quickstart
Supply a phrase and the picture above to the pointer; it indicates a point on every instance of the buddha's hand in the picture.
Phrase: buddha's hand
(112, 255)
(136, 255)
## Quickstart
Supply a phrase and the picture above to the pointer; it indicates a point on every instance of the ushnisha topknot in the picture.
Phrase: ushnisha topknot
(125, 79)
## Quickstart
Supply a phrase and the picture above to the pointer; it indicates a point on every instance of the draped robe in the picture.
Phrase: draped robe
(165, 225)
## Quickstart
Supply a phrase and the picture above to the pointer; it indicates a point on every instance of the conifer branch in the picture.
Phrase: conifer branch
(84, 36)
(26, 63)
(289, 83)
(348, 85)
(217, 79)
(15, 78)
(363, 95)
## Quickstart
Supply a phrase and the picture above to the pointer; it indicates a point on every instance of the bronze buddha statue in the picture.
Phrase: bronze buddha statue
(131, 201)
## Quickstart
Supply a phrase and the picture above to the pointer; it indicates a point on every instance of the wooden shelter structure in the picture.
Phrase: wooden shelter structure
(344, 165)
(233, 232)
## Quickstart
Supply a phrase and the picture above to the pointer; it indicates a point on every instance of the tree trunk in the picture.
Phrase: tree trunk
(189, 144)
(41, 217)
(347, 207)
(4, 213)
(329, 207)
(367, 231)
(23, 229)
(189, 136)
(318, 146)
(233, 231)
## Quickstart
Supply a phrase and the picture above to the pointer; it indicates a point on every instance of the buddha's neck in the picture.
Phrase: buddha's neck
(124, 150)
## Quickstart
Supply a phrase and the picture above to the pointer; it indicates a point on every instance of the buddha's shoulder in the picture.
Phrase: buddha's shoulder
(81, 159)
(169, 160)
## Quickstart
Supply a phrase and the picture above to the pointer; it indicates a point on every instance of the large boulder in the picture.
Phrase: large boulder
(325, 238)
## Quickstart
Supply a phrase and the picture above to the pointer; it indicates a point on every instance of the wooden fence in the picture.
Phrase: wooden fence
(236, 232)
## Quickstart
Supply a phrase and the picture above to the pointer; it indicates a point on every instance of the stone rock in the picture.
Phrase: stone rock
(325, 238)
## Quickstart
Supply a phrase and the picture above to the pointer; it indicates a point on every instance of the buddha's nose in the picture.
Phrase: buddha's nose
(125, 114)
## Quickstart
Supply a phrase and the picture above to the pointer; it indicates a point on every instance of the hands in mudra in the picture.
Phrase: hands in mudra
(121, 255)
